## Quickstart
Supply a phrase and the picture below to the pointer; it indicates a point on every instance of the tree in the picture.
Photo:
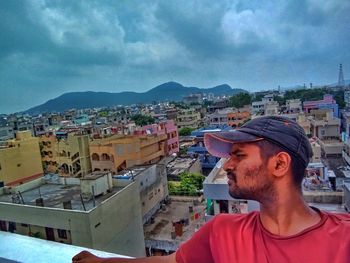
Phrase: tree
(190, 184)
(141, 120)
(185, 131)
(241, 99)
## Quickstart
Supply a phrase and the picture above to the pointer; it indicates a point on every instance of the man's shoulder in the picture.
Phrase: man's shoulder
(236, 218)
(339, 217)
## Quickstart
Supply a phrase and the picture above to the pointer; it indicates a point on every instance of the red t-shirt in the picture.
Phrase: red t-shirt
(242, 238)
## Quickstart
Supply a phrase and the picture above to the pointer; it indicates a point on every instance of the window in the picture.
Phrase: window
(62, 233)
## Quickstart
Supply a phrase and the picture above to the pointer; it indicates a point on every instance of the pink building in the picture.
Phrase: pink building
(327, 103)
(167, 127)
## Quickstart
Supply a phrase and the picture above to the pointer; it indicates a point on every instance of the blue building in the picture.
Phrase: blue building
(198, 149)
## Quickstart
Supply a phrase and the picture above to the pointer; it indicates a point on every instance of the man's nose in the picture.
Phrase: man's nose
(229, 165)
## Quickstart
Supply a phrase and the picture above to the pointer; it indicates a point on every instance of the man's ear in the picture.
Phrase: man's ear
(280, 164)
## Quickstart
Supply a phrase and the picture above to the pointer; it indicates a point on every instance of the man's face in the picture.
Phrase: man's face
(247, 174)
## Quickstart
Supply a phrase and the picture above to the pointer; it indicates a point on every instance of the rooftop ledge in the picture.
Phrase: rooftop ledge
(18, 248)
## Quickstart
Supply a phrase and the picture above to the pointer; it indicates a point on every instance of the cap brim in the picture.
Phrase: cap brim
(220, 144)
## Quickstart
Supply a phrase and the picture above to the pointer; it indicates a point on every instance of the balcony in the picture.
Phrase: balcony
(20, 248)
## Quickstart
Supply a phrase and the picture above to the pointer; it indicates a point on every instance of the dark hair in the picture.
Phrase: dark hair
(268, 149)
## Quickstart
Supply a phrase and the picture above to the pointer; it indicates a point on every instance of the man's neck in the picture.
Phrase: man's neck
(288, 215)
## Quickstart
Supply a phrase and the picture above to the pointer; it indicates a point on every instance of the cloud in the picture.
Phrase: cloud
(51, 47)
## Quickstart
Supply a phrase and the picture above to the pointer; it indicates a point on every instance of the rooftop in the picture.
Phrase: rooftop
(174, 212)
(179, 165)
(55, 194)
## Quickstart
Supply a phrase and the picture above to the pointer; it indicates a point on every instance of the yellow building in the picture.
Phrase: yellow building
(20, 159)
(74, 155)
(67, 154)
(119, 152)
(48, 146)
(188, 118)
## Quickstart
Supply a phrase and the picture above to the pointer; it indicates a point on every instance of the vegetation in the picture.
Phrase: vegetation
(190, 184)
(141, 120)
(241, 99)
(182, 151)
(180, 105)
(103, 113)
(306, 95)
(185, 131)
(314, 94)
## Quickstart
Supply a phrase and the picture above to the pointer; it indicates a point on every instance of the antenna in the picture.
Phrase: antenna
(341, 81)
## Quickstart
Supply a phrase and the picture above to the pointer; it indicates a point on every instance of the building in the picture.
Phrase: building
(167, 127)
(6, 133)
(172, 137)
(304, 122)
(326, 128)
(316, 150)
(153, 186)
(327, 103)
(49, 154)
(219, 104)
(20, 159)
(40, 126)
(59, 209)
(347, 98)
(119, 152)
(66, 153)
(188, 118)
(345, 124)
(193, 98)
(258, 107)
(199, 150)
(271, 108)
(178, 165)
(294, 106)
(238, 117)
(219, 117)
(174, 224)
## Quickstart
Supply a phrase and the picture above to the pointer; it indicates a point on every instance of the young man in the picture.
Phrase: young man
(266, 161)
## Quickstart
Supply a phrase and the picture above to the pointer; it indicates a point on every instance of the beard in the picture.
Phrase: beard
(254, 185)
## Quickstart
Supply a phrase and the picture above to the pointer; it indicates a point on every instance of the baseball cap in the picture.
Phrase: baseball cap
(279, 130)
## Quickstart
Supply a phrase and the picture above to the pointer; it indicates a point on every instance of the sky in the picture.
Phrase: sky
(48, 48)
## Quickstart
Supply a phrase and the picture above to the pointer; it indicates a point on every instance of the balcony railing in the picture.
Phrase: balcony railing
(35, 250)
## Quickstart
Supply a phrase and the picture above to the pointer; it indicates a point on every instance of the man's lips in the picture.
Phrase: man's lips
(231, 177)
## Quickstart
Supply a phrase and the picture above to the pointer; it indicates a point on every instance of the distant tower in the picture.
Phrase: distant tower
(341, 81)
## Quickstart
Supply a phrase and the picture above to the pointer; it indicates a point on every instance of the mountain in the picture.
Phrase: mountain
(170, 91)
(346, 83)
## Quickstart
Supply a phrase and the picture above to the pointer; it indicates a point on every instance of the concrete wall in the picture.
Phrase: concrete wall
(25, 187)
(153, 185)
(196, 167)
(116, 224)
(75, 221)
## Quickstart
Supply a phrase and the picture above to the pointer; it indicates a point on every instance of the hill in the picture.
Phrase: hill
(170, 91)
